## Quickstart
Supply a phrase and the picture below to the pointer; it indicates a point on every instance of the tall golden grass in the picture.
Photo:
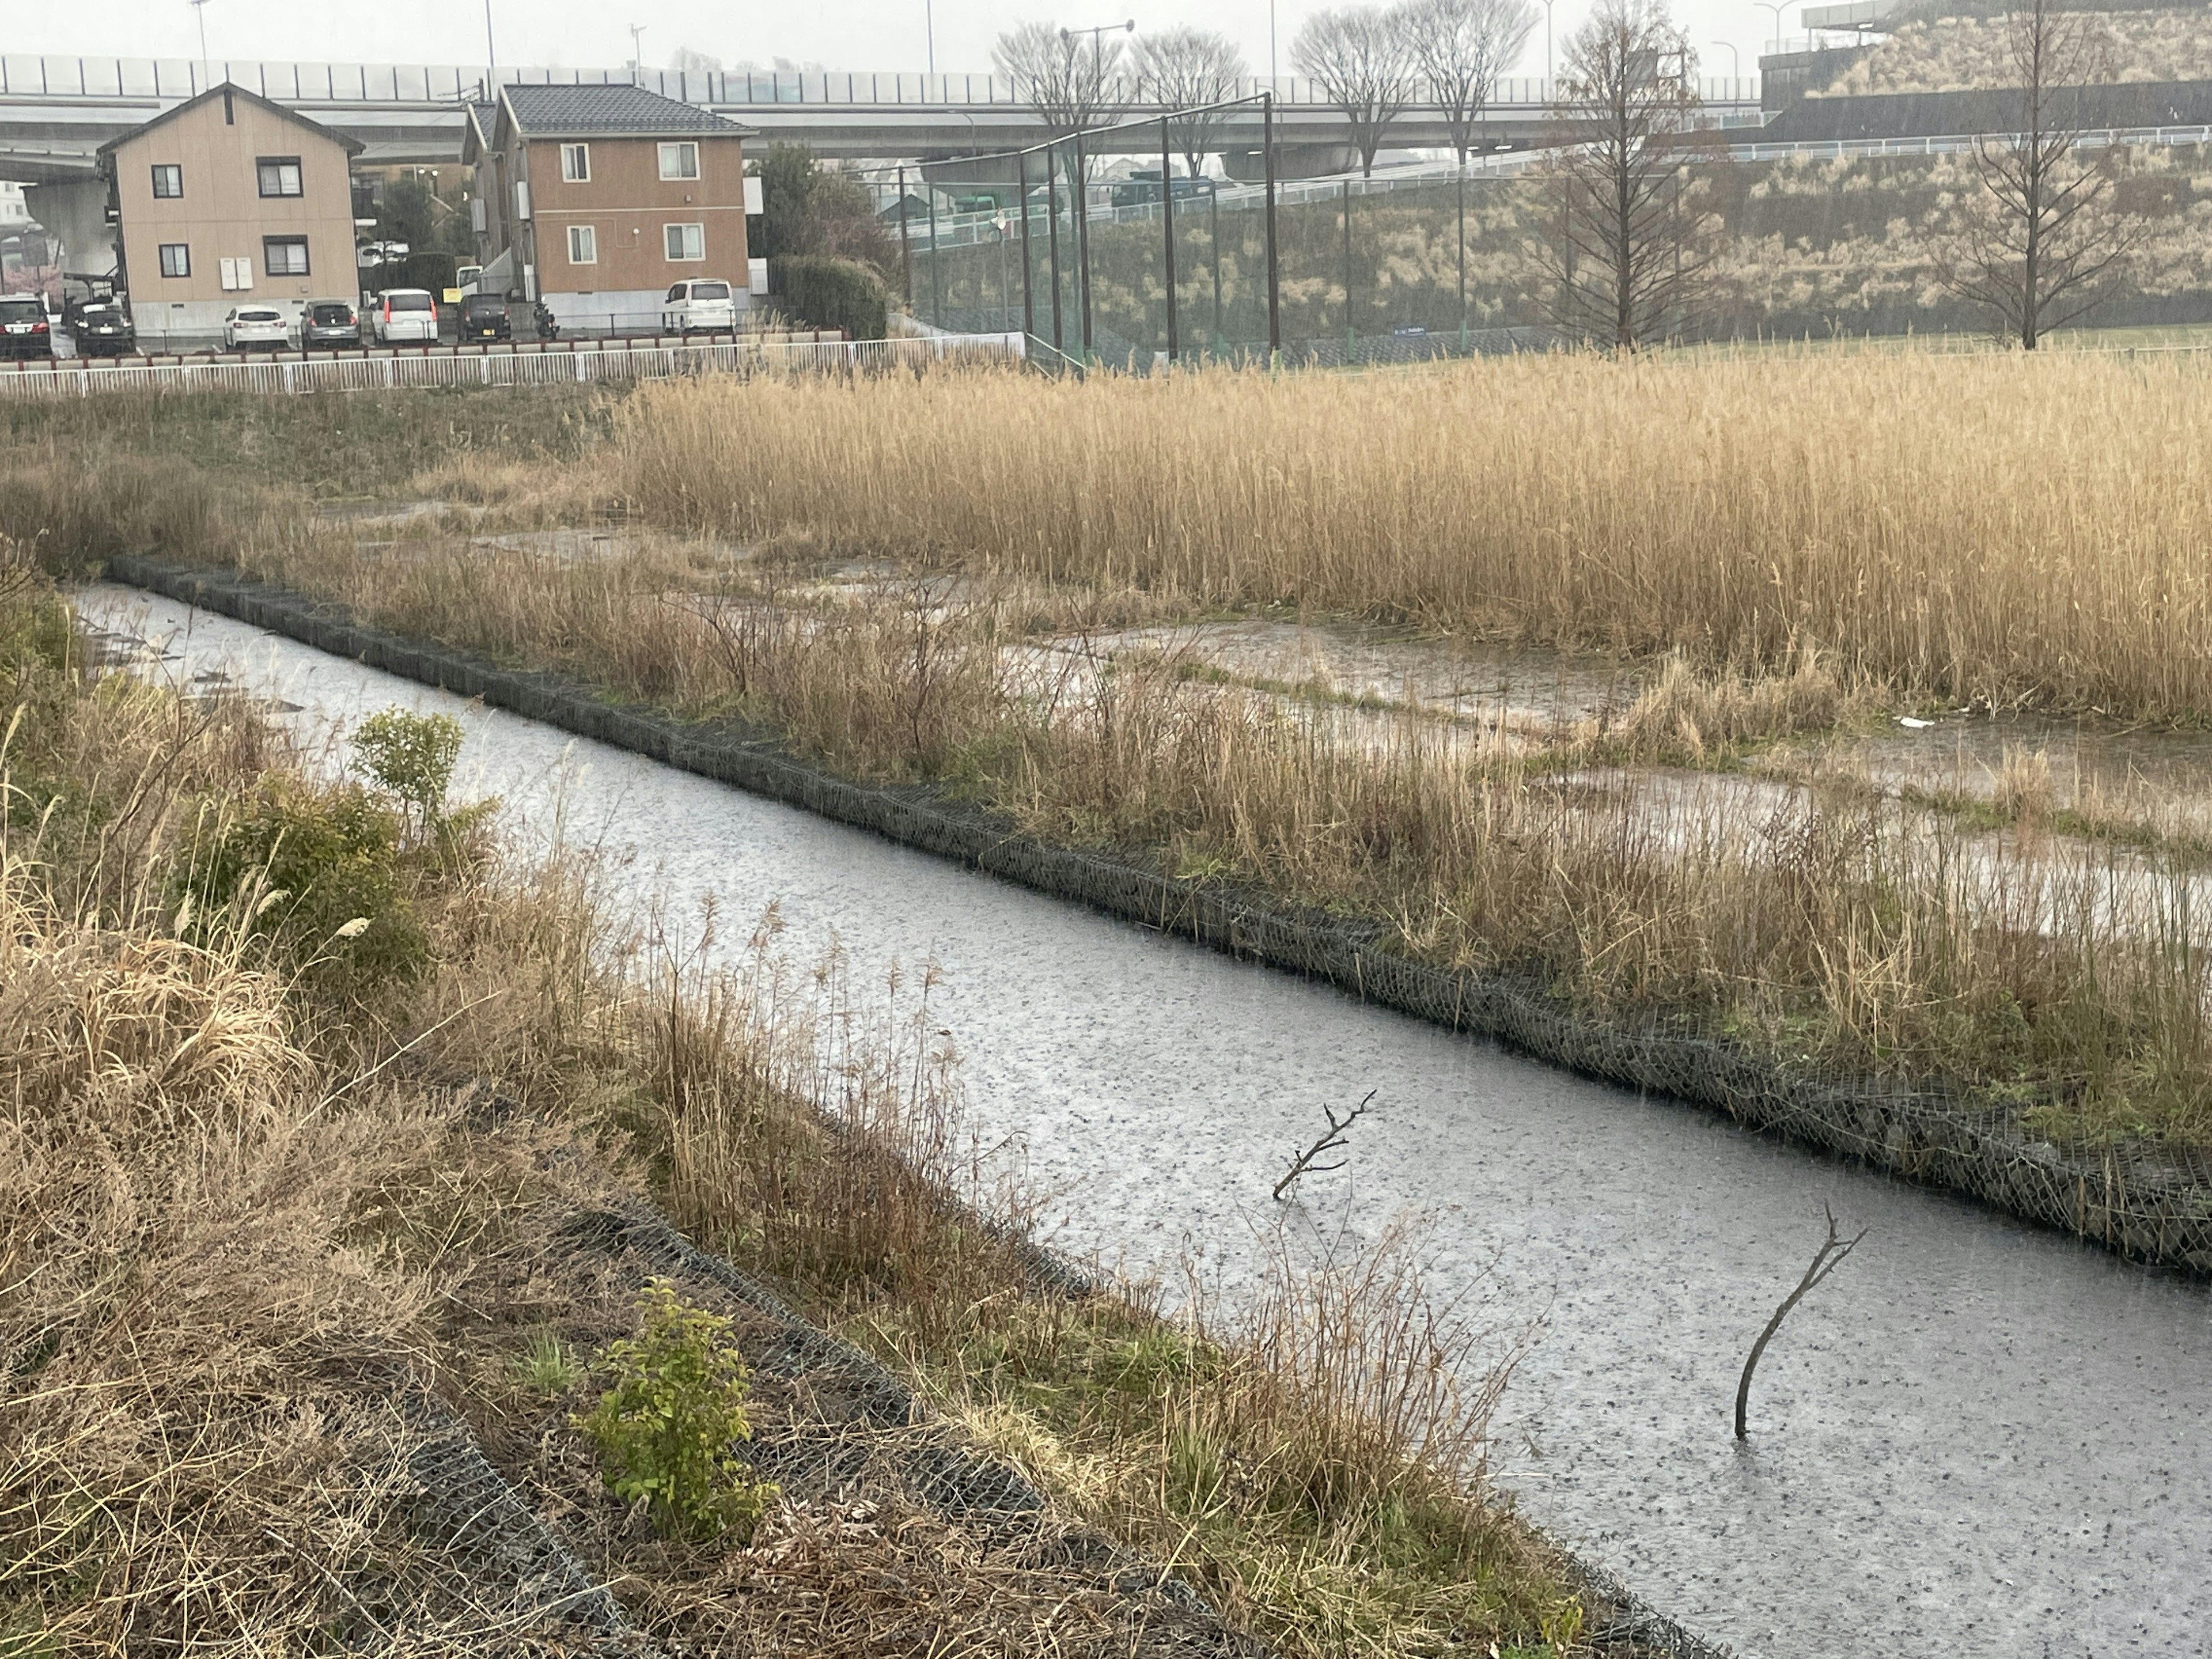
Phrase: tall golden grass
(1993, 528)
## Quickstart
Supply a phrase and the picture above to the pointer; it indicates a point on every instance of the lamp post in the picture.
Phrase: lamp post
(491, 52)
(1778, 7)
(199, 15)
(1735, 63)
(1098, 48)
(929, 30)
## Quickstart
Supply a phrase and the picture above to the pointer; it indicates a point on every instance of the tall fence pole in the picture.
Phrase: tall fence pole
(936, 263)
(1274, 273)
(1350, 336)
(1083, 245)
(906, 253)
(1167, 230)
(1022, 207)
(1462, 253)
(1052, 239)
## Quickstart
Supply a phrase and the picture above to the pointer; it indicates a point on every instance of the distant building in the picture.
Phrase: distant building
(595, 198)
(229, 199)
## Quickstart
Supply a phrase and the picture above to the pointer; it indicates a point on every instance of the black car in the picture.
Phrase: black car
(24, 330)
(102, 328)
(328, 324)
(483, 317)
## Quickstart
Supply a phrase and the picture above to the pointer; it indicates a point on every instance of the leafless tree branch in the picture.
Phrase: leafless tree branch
(1825, 1260)
(1332, 1141)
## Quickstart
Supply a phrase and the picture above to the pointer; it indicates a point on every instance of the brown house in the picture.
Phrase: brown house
(595, 198)
(228, 200)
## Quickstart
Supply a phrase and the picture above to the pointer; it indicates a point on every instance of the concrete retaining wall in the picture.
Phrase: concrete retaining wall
(2150, 1204)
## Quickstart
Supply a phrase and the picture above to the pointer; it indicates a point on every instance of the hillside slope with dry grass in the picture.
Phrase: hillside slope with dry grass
(331, 1134)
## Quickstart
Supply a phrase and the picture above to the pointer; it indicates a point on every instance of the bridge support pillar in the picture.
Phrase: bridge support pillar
(75, 215)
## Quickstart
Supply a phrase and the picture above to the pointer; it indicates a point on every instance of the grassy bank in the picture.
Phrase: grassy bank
(311, 1077)
(1831, 926)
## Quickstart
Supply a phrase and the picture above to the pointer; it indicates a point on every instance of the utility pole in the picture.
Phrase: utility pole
(491, 52)
(929, 30)
(199, 13)
(1547, 48)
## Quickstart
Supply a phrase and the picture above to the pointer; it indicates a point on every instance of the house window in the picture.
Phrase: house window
(679, 160)
(583, 246)
(168, 182)
(176, 259)
(576, 163)
(279, 175)
(284, 256)
(685, 241)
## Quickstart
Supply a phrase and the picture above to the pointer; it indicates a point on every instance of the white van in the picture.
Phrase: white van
(405, 316)
(705, 303)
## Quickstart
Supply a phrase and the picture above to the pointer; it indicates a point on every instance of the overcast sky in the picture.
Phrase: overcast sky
(838, 35)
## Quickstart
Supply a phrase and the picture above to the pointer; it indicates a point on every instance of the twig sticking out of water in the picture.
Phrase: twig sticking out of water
(1333, 1141)
(1825, 1260)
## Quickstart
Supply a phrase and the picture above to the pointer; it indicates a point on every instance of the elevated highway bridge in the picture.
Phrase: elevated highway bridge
(56, 112)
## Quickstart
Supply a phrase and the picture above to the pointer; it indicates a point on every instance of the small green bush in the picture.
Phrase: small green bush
(825, 292)
(318, 871)
(412, 756)
(674, 1406)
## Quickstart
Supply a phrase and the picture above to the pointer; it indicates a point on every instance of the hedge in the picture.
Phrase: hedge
(825, 292)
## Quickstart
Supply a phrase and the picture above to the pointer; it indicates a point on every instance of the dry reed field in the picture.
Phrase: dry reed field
(1992, 529)
(311, 1083)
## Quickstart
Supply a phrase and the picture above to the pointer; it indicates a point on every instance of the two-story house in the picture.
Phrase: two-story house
(228, 200)
(595, 198)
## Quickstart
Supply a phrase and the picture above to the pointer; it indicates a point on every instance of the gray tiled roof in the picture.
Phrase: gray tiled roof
(558, 111)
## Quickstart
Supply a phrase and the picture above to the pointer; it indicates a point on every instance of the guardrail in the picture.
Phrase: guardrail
(378, 83)
(460, 366)
(1840, 150)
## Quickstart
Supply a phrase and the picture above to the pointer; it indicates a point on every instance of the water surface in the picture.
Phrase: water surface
(1975, 1438)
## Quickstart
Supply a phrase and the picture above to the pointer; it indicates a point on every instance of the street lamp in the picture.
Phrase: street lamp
(1547, 48)
(1735, 59)
(929, 32)
(199, 13)
(1778, 7)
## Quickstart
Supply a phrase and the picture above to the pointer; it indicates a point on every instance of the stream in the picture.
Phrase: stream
(1976, 1438)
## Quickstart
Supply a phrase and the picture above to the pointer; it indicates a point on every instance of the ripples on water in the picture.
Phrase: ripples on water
(1976, 1438)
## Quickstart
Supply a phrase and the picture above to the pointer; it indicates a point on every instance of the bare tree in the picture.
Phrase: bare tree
(2035, 250)
(1364, 63)
(1331, 1140)
(1187, 68)
(1825, 1260)
(691, 61)
(1628, 247)
(1071, 79)
(1459, 47)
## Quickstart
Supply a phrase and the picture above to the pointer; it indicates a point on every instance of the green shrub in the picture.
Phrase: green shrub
(318, 871)
(825, 292)
(674, 1406)
(412, 756)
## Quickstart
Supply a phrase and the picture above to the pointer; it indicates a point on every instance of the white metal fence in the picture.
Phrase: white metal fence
(453, 366)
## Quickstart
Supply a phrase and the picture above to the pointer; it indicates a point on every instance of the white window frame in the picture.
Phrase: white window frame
(674, 155)
(576, 164)
(586, 237)
(668, 243)
(183, 265)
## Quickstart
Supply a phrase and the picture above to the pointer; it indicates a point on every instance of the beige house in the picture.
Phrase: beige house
(597, 198)
(228, 200)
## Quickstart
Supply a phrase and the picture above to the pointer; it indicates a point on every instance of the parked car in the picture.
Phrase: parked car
(405, 316)
(483, 317)
(102, 328)
(24, 329)
(328, 324)
(704, 303)
(249, 326)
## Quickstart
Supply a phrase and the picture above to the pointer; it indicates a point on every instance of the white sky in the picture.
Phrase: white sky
(838, 34)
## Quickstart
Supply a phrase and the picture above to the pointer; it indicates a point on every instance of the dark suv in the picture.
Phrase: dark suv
(483, 317)
(328, 324)
(24, 330)
(102, 328)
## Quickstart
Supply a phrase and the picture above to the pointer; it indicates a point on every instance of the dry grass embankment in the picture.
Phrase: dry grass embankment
(307, 1081)
(1993, 529)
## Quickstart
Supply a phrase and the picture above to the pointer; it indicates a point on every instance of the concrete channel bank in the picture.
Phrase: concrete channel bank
(2150, 1206)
